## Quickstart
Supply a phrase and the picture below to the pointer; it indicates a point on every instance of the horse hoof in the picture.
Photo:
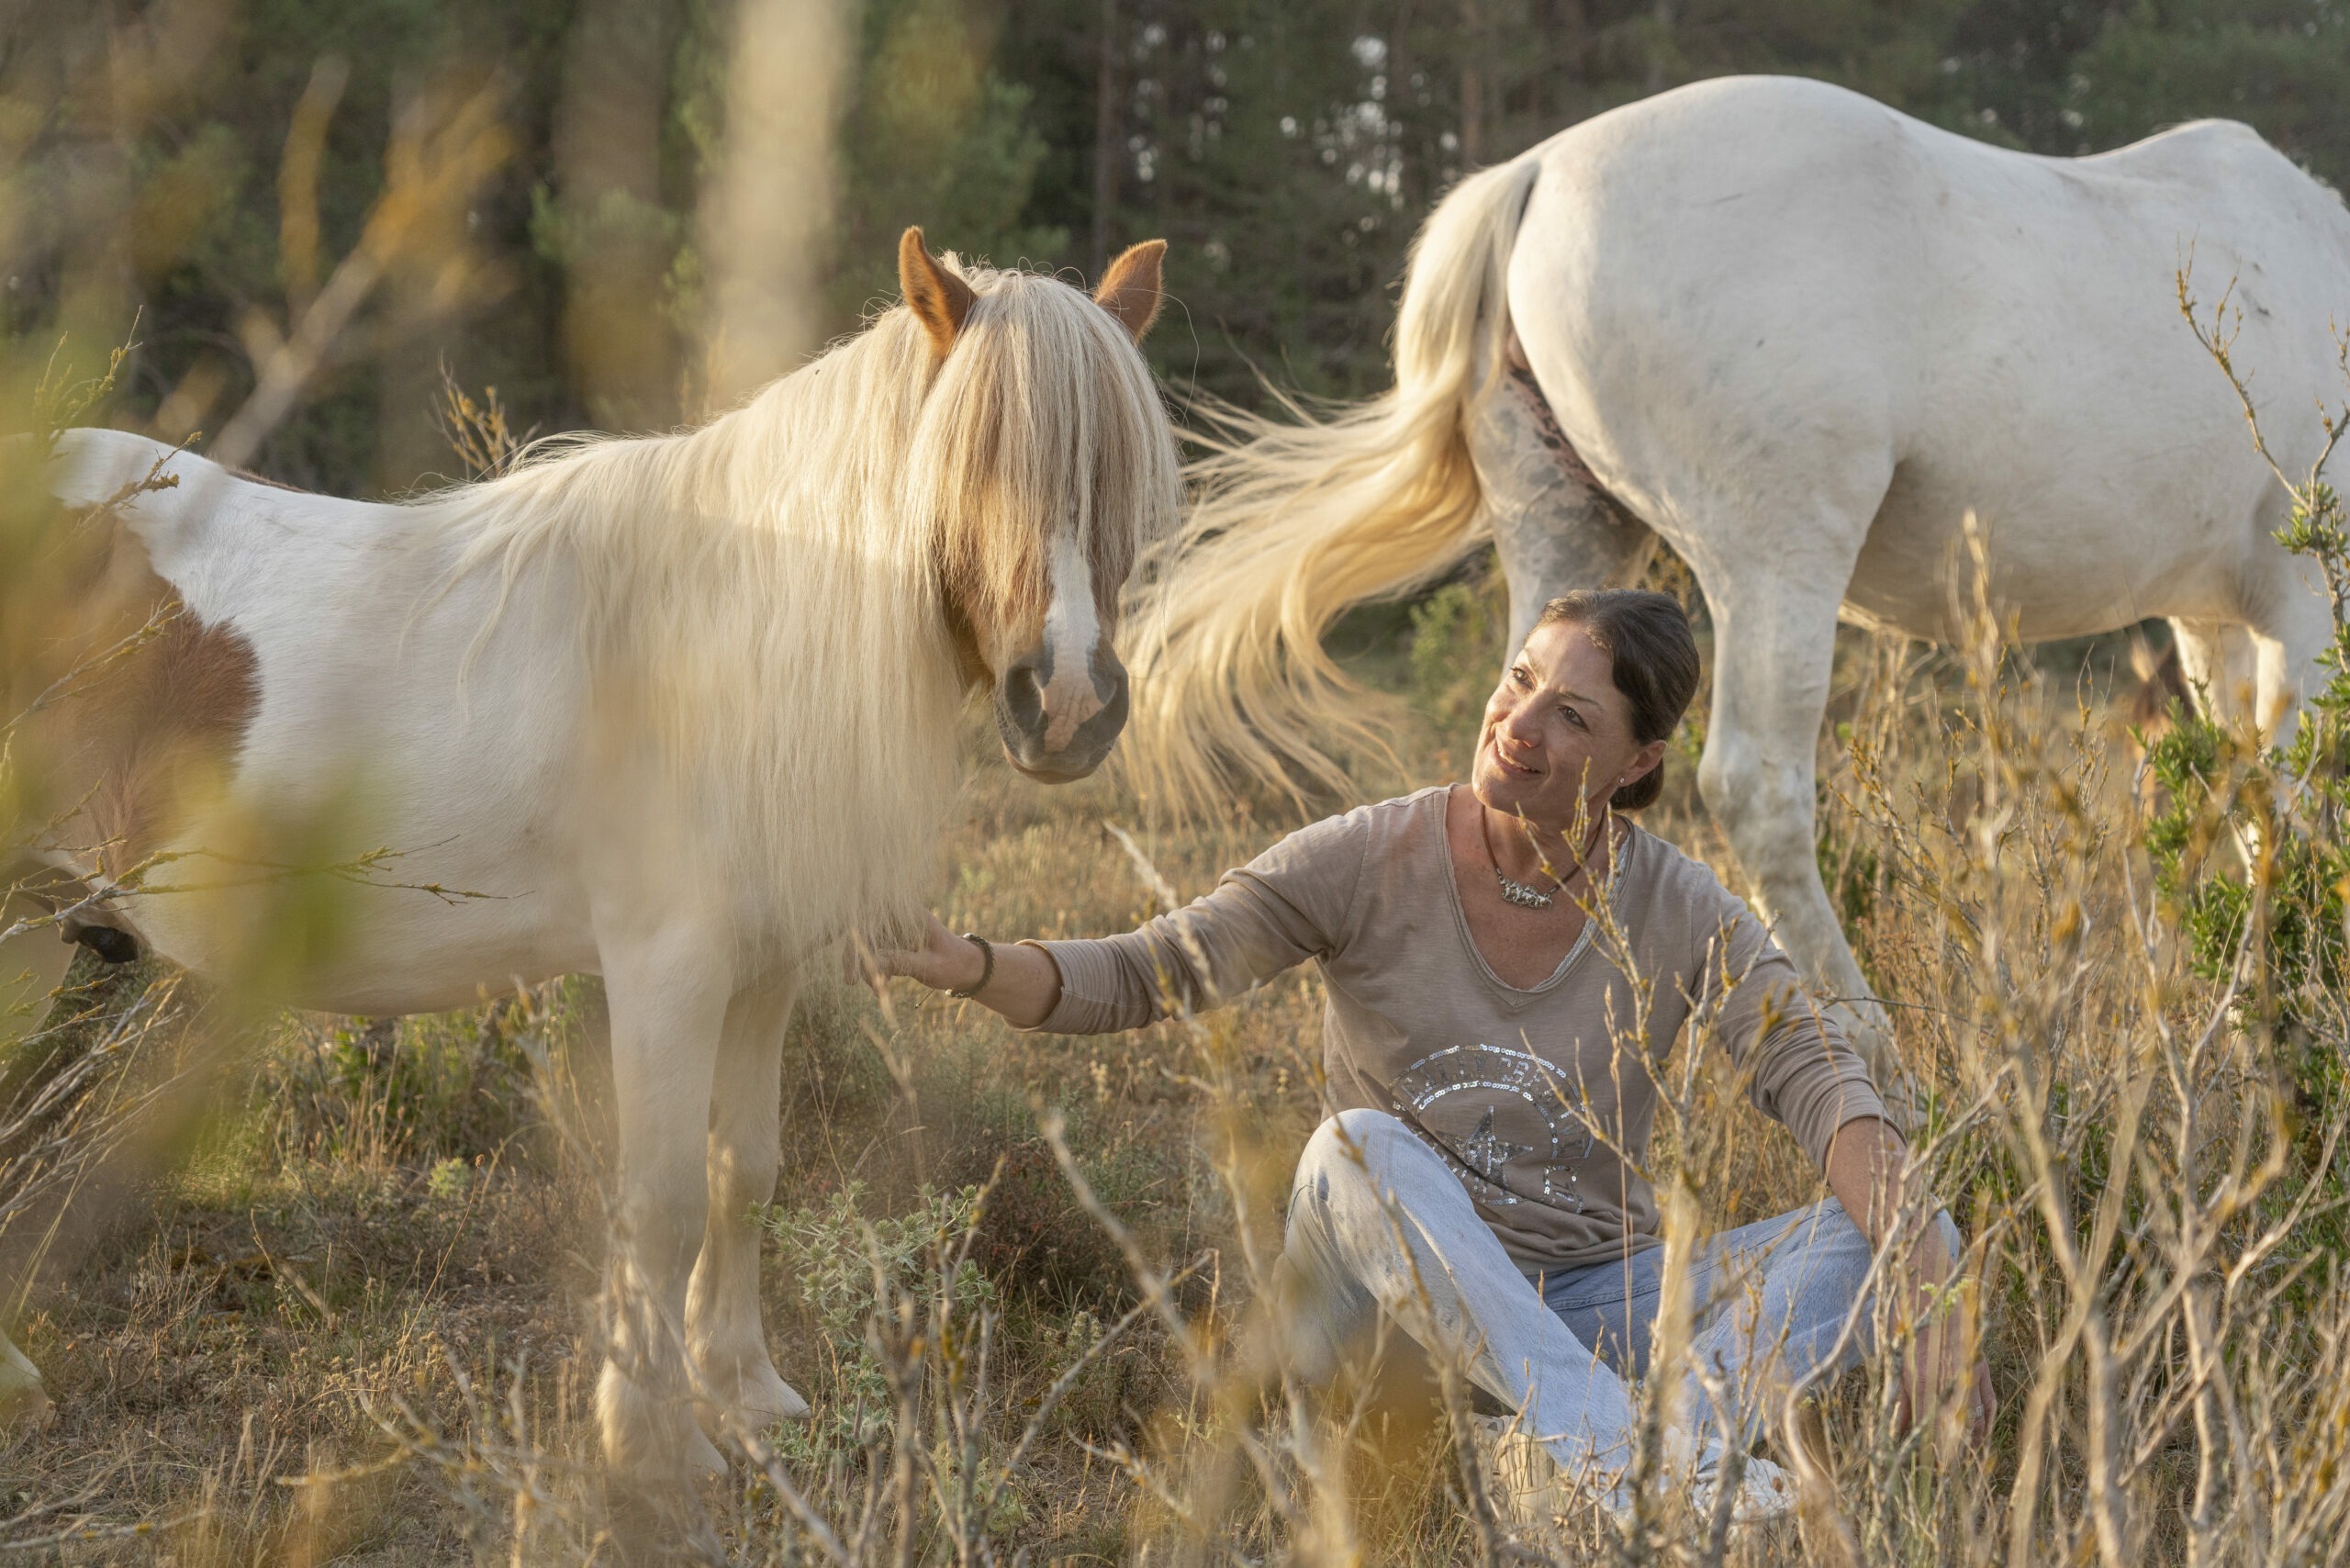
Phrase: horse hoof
(766, 1399)
(761, 1401)
(652, 1442)
(26, 1410)
(24, 1403)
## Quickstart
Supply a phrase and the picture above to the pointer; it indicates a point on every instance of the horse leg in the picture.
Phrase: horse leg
(668, 992)
(1554, 528)
(1774, 643)
(722, 1328)
(2220, 666)
(2291, 624)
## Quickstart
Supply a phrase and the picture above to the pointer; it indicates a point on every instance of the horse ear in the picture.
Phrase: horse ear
(1130, 290)
(939, 297)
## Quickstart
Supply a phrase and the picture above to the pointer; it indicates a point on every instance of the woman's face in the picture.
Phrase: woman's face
(1557, 736)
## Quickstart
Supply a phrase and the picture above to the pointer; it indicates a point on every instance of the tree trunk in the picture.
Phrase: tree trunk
(615, 242)
(1106, 137)
(1472, 83)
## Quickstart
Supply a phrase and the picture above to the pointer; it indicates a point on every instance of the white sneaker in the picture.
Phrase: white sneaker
(1529, 1489)
(1532, 1491)
(1765, 1492)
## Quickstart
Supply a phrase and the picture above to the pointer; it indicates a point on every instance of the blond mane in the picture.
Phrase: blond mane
(766, 598)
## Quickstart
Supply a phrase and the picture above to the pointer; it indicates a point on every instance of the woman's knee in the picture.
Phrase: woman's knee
(1359, 1162)
(1351, 1141)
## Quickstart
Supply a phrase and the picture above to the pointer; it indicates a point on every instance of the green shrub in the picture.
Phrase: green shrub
(846, 1269)
(1456, 649)
(2248, 848)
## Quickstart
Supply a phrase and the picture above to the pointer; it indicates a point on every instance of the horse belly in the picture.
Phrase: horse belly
(354, 922)
(2098, 449)
(2069, 550)
(432, 801)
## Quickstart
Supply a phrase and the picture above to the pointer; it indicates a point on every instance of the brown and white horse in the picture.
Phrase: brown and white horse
(680, 710)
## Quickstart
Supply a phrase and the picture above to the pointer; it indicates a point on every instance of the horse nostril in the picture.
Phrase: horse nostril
(1023, 695)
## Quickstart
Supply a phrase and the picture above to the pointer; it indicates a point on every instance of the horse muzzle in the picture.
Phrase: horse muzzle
(1057, 727)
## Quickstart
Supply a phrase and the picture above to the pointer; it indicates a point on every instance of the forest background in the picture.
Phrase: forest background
(1287, 150)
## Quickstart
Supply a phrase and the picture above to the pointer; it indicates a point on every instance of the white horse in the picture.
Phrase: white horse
(683, 709)
(1799, 337)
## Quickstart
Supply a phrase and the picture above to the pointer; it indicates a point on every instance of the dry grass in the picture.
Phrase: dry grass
(359, 1317)
(342, 1300)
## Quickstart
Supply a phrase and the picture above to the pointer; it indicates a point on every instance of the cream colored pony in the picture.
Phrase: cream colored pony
(680, 710)
(1799, 337)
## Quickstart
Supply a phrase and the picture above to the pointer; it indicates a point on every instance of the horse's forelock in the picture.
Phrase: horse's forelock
(1043, 418)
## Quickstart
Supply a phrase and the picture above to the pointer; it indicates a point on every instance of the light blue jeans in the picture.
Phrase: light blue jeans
(1378, 1221)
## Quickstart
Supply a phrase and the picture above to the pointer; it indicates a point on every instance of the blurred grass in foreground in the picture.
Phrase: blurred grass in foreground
(358, 1323)
(336, 1301)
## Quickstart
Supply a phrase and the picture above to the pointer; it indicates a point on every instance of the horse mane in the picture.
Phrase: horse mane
(766, 598)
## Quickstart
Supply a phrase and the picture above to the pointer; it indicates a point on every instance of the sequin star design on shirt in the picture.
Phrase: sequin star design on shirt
(1487, 1152)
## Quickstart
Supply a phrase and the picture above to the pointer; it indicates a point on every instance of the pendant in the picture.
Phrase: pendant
(1521, 894)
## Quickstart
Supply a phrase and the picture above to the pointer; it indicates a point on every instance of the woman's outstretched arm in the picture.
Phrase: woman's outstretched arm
(1025, 987)
(1291, 903)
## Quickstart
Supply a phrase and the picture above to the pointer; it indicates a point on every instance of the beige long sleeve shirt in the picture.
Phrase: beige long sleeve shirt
(1528, 1093)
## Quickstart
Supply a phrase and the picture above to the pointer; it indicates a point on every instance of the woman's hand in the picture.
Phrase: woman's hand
(1025, 987)
(944, 961)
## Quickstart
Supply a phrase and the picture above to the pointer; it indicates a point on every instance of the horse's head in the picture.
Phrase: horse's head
(1045, 455)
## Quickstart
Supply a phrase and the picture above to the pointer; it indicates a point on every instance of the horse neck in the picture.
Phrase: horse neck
(790, 615)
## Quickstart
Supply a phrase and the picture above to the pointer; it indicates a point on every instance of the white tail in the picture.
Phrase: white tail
(89, 466)
(1297, 518)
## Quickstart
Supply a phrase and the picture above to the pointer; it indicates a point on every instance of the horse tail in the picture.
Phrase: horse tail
(1299, 516)
(91, 467)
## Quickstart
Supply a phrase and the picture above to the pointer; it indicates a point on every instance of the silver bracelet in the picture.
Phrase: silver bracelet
(986, 967)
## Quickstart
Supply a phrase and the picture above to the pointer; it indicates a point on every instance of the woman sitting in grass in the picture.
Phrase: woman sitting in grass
(1508, 966)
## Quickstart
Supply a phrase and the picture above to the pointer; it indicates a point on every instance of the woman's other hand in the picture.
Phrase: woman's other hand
(1867, 1162)
(1935, 1375)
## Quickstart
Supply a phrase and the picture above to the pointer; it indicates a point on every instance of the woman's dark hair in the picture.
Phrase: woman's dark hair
(1654, 664)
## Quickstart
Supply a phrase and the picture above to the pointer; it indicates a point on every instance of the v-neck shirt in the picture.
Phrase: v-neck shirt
(1541, 1099)
(1468, 936)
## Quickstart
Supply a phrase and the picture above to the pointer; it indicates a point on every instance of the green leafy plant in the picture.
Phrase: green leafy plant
(1456, 649)
(848, 1269)
(2248, 845)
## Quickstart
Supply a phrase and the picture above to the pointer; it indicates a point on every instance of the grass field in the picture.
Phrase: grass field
(350, 1313)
